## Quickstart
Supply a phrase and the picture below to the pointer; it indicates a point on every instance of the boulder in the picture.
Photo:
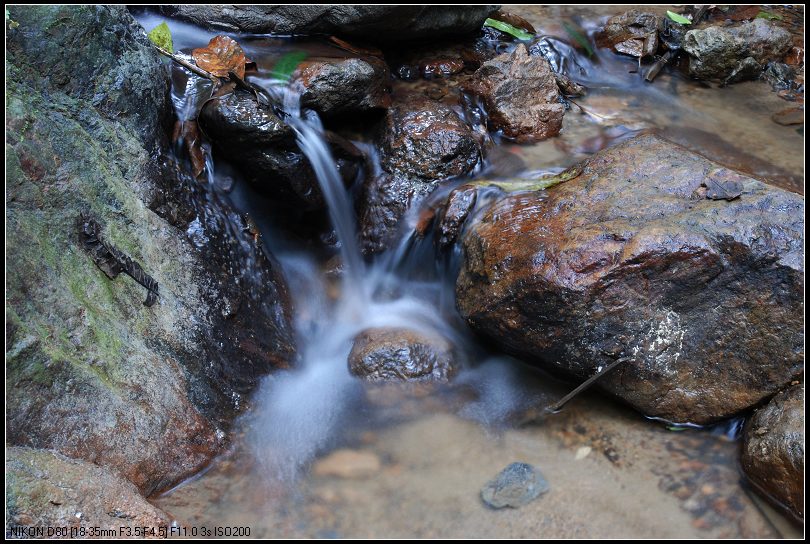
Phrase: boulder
(520, 94)
(376, 24)
(633, 258)
(46, 490)
(344, 86)
(633, 33)
(421, 143)
(92, 372)
(773, 450)
(397, 354)
(264, 149)
(718, 52)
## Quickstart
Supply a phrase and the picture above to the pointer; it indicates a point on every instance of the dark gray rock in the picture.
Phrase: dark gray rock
(264, 149)
(339, 87)
(396, 354)
(629, 258)
(516, 485)
(521, 96)
(773, 450)
(376, 24)
(47, 490)
(717, 52)
(91, 371)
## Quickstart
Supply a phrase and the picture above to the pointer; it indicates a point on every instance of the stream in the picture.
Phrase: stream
(414, 457)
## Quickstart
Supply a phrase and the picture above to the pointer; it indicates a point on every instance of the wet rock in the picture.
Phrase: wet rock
(91, 372)
(424, 140)
(460, 203)
(376, 24)
(263, 147)
(789, 116)
(338, 87)
(350, 464)
(45, 489)
(779, 75)
(516, 485)
(773, 450)
(624, 260)
(383, 203)
(396, 354)
(520, 95)
(421, 142)
(717, 52)
(633, 33)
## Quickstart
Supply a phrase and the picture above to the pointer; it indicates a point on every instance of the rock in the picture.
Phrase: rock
(460, 203)
(425, 140)
(627, 260)
(397, 354)
(717, 52)
(773, 450)
(779, 75)
(789, 116)
(516, 485)
(520, 95)
(350, 464)
(264, 149)
(421, 142)
(91, 372)
(47, 490)
(633, 33)
(376, 24)
(338, 87)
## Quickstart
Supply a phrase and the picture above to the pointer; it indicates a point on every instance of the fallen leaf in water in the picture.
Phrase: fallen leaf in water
(220, 56)
(162, 37)
(515, 20)
(518, 33)
(187, 134)
(680, 19)
(286, 65)
(351, 48)
(579, 37)
(722, 185)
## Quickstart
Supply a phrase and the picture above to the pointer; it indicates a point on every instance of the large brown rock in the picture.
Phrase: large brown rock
(631, 259)
(46, 490)
(773, 450)
(521, 96)
(397, 354)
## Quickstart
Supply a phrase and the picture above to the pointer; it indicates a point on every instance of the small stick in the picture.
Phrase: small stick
(556, 407)
(658, 65)
(185, 64)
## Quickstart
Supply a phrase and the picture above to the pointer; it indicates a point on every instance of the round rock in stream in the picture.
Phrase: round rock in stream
(396, 354)
(631, 259)
(342, 86)
(520, 94)
(773, 450)
(517, 485)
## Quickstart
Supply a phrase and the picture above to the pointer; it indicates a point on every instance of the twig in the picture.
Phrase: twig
(185, 64)
(556, 407)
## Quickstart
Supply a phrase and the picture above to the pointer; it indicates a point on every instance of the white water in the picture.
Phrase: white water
(301, 412)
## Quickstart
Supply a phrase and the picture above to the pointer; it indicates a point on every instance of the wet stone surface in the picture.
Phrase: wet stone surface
(517, 485)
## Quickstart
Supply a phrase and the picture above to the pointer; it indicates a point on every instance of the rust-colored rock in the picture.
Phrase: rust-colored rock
(396, 354)
(47, 490)
(520, 95)
(705, 295)
(633, 33)
(773, 450)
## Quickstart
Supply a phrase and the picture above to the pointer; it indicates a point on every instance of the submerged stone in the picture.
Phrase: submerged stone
(397, 354)
(517, 485)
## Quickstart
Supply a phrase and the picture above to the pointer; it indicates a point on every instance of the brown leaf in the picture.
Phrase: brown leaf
(514, 20)
(356, 49)
(220, 56)
(188, 133)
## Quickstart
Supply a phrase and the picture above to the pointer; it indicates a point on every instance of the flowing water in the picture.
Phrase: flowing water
(612, 473)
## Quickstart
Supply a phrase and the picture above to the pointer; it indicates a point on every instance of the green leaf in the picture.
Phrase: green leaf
(680, 19)
(287, 64)
(768, 15)
(162, 37)
(675, 428)
(578, 37)
(518, 33)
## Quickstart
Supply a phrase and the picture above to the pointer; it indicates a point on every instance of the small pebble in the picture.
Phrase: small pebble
(582, 453)
(516, 485)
